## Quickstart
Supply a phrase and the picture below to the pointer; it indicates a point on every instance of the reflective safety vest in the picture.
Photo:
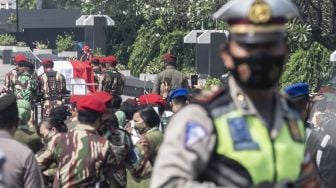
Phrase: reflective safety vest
(245, 140)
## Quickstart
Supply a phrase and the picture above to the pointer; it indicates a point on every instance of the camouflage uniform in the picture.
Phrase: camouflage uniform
(122, 147)
(97, 74)
(142, 169)
(83, 158)
(24, 86)
(112, 82)
(52, 85)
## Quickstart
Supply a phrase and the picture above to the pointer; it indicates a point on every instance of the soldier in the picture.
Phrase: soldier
(170, 78)
(246, 135)
(20, 169)
(146, 124)
(87, 56)
(25, 134)
(52, 87)
(112, 81)
(8, 77)
(24, 83)
(83, 158)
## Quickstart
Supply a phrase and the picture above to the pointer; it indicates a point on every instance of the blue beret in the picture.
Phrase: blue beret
(178, 93)
(297, 90)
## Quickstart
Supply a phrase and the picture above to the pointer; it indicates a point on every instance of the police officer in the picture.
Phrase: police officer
(246, 135)
(111, 81)
(178, 98)
(170, 78)
(52, 86)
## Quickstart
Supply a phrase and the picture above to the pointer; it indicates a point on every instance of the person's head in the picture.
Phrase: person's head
(86, 49)
(298, 94)
(8, 112)
(111, 62)
(24, 111)
(116, 102)
(109, 121)
(145, 118)
(178, 98)
(47, 65)
(155, 100)
(257, 46)
(57, 118)
(129, 107)
(105, 97)
(95, 64)
(169, 60)
(90, 110)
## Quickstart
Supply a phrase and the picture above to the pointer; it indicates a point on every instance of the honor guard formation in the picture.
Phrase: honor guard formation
(247, 133)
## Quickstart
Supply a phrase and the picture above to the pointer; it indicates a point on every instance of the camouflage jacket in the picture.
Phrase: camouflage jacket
(24, 86)
(83, 158)
(122, 147)
(52, 84)
(112, 82)
(8, 78)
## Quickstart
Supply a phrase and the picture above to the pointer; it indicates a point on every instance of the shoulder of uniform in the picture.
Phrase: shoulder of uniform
(207, 96)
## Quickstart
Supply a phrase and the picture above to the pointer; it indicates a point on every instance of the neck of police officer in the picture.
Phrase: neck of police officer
(259, 95)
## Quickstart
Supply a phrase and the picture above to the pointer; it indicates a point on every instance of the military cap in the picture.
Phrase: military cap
(178, 93)
(47, 62)
(257, 21)
(111, 60)
(20, 58)
(105, 97)
(91, 103)
(297, 90)
(151, 98)
(6, 100)
(168, 57)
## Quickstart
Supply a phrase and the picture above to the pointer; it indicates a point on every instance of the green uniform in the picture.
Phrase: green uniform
(24, 86)
(142, 169)
(112, 81)
(83, 158)
(174, 78)
(225, 141)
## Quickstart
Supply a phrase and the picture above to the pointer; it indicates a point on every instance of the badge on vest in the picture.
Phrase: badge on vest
(241, 135)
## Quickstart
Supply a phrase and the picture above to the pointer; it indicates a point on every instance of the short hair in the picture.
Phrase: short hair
(9, 116)
(129, 107)
(180, 100)
(116, 101)
(57, 117)
(149, 115)
(88, 116)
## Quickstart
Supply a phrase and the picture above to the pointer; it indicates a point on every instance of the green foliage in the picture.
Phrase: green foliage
(7, 40)
(21, 44)
(27, 4)
(41, 45)
(11, 19)
(211, 82)
(98, 52)
(311, 66)
(299, 35)
(65, 42)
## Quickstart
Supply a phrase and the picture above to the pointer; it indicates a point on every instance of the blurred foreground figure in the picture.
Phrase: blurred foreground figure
(246, 135)
(20, 168)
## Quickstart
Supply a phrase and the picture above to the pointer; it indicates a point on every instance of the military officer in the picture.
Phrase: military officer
(52, 85)
(8, 77)
(170, 78)
(246, 135)
(111, 81)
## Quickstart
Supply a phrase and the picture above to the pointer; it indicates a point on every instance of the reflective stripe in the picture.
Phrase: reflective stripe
(319, 153)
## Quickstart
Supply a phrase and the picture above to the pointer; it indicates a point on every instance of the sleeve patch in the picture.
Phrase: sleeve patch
(194, 132)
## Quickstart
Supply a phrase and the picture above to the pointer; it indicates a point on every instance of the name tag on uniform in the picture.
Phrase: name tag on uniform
(241, 135)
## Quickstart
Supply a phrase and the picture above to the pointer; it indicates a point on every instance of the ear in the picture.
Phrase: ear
(226, 57)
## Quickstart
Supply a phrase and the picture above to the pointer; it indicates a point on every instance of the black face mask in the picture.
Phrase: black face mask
(265, 70)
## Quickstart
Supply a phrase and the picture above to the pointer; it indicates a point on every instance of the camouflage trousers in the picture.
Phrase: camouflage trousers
(48, 105)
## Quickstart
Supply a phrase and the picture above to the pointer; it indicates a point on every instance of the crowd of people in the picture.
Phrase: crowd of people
(245, 134)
